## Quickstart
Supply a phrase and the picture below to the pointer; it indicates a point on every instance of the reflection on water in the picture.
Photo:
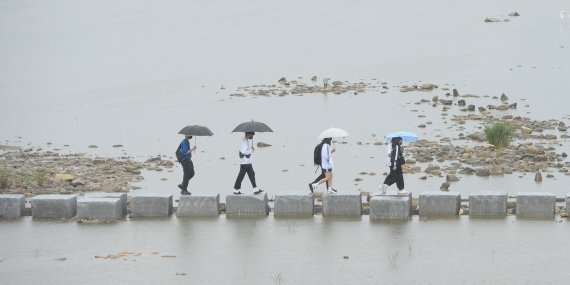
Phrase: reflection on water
(315, 250)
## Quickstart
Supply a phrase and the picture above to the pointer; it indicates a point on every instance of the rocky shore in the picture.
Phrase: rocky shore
(32, 172)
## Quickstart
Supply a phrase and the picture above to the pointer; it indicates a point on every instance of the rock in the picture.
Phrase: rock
(314, 78)
(422, 126)
(445, 186)
(526, 130)
(357, 179)
(118, 145)
(562, 128)
(471, 108)
(283, 80)
(262, 144)
(483, 172)
(423, 177)
(492, 20)
(434, 99)
(153, 159)
(514, 14)
(482, 109)
(513, 106)
(167, 163)
(549, 176)
(428, 87)
(489, 146)
(538, 177)
(477, 137)
(446, 102)
(532, 149)
(432, 169)
(455, 93)
(461, 103)
(93, 146)
(61, 177)
(550, 137)
(564, 154)
(451, 178)
(504, 97)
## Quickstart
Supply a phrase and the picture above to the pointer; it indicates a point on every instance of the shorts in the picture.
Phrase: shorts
(328, 170)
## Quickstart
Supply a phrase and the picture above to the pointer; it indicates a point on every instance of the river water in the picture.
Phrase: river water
(80, 73)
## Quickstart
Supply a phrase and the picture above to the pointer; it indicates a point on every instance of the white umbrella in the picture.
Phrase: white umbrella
(333, 133)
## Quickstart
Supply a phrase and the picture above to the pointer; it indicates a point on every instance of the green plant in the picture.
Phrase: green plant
(499, 134)
(5, 178)
(41, 177)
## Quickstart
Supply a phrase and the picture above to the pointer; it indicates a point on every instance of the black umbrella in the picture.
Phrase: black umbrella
(252, 127)
(195, 130)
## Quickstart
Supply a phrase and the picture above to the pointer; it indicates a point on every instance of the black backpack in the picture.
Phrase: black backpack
(179, 154)
(317, 154)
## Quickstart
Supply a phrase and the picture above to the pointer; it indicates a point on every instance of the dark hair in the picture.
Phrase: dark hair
(327, 140)
(249, 133)
(396, 140)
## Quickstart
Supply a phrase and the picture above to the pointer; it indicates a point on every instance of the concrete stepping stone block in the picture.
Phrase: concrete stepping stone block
(345, 205)
(12, 205)
(151, 205)
(106, 209)
(391, 207)
(54, 206)
(487, 204)
(247, 205)
(294, 205)
(439, 204)
(535, 205)
(198, 205)
(122, 196)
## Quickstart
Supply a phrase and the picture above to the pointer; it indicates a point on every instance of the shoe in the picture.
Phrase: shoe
(311, 187)
(383, 187)
(237, 192)
(315, 186)
(402, 192)
(332, 191)
(184, 192)
(258, 191)
(181, 188)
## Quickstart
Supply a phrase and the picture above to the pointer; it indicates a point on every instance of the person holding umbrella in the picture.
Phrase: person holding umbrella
(326, 162)
(184, 153)
(395, 154)
(327, 166)
(187, 165)
(245, 151)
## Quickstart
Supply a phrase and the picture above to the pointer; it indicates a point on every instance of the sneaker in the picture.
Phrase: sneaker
(402, 192)
(315, 186)
(311, 187)
(332, 191)
(383, 187)
(258, 191)
(181, 188)
(184, 192)
(237, 192)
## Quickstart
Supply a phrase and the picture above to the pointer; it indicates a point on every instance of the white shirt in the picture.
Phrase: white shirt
(245, 149)
(326, 157)
(389, 155)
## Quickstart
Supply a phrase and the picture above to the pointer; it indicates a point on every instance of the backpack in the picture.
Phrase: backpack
(179, 154)
(317, 154)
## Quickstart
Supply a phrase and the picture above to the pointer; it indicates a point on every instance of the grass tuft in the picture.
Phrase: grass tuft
(500, 134)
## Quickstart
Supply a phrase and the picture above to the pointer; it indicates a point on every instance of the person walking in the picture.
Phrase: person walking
(318, 162)
(187, 165)
(327, 166)
(245, 151)
(395, 155)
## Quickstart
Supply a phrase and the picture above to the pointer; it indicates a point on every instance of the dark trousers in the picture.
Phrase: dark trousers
(321, 177)
(188, 168)
(395, 176)
(243, 169)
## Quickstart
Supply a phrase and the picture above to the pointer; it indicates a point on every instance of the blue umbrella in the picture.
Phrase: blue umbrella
(406, 136)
